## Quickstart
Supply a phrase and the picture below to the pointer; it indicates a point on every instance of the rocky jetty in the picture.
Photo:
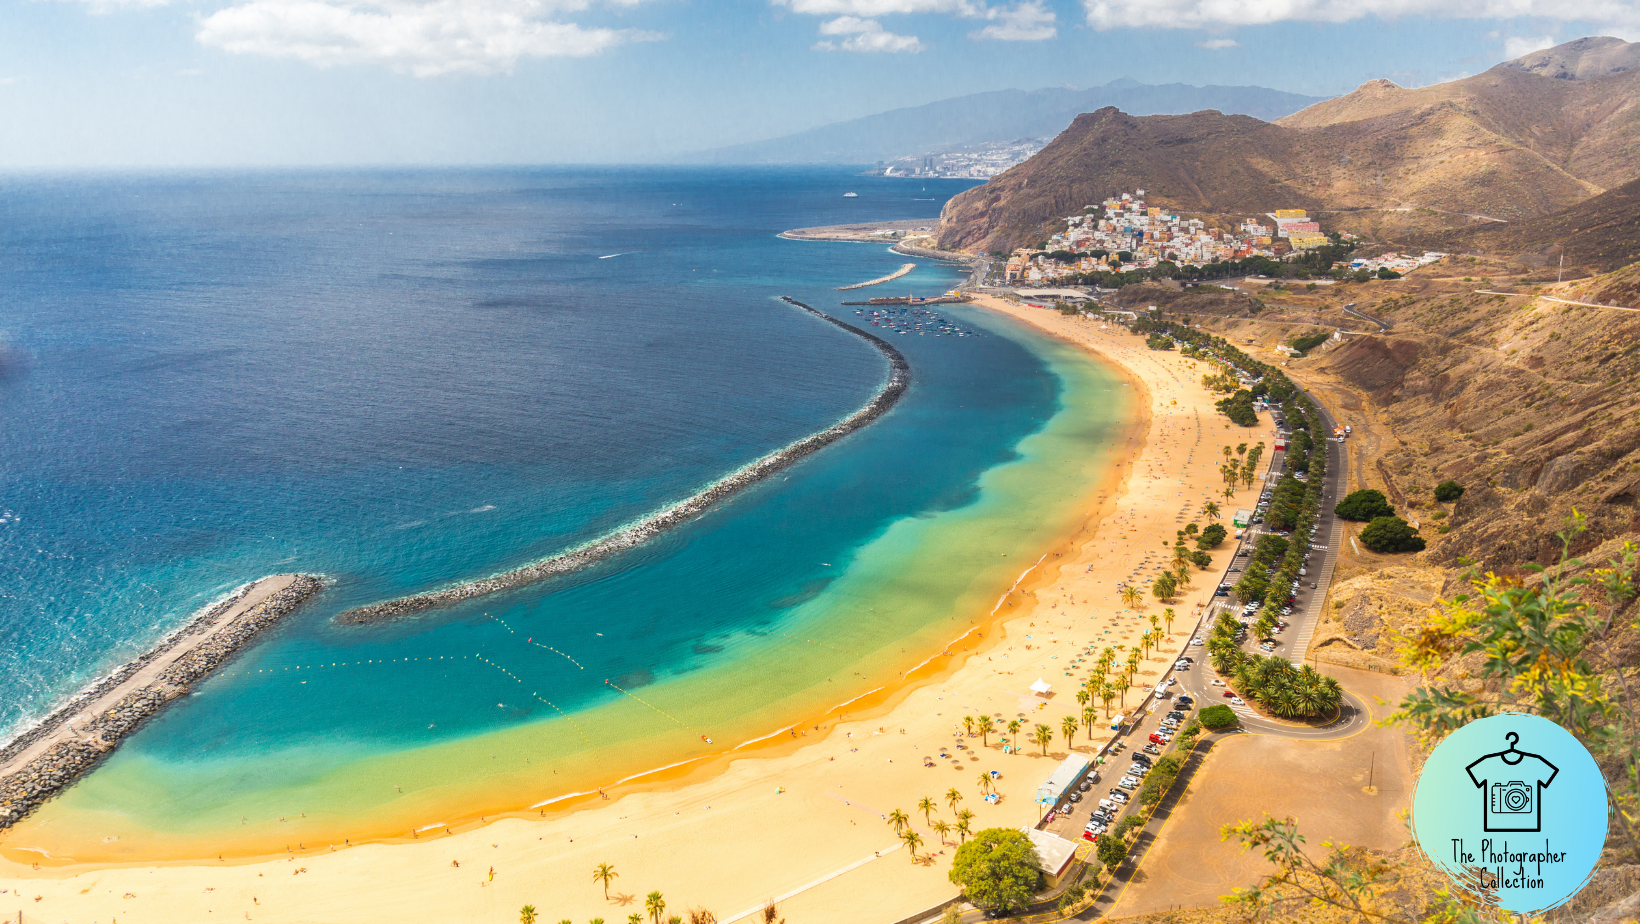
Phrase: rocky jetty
(642, 531)
(87, 742)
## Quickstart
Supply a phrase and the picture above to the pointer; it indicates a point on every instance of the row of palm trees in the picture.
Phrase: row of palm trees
(1288, 691)
(901, 823)
(654, 905)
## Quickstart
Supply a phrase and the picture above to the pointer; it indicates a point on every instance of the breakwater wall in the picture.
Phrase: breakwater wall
(881, 279)
(83, 745)
(635, 534)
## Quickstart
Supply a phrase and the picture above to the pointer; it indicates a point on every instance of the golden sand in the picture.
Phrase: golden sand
(801, 822)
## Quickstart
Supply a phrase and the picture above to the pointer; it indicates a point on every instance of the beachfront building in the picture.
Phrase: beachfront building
(1053, 853)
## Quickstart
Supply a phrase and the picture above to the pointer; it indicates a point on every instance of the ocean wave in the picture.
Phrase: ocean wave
(643, 530)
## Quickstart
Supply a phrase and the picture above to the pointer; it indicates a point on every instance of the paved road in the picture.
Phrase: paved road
(1306, 618)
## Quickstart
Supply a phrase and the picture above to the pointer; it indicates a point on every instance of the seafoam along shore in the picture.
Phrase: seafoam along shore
(35, 765)
(640, 532)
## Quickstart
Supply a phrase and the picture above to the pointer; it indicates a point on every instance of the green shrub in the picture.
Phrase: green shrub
(1128, 824)
(1391, 534)
(1308, 343)
(1211, 537)
(1448, 491)
(1362, 506)
(1217, 717)
(1112, 851)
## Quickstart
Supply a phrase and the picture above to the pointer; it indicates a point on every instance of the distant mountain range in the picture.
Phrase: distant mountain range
(1526, 139)
(1002, 115)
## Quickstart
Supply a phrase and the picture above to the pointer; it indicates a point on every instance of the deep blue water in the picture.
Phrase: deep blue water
(399, 379)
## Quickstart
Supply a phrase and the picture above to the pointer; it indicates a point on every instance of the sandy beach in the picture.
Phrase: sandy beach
(802, 822)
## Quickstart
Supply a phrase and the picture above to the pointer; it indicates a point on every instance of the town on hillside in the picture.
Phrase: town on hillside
(1124, 234)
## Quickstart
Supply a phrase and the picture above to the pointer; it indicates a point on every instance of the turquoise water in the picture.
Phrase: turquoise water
(404, 380)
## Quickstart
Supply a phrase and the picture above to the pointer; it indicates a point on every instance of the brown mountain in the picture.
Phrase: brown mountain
(1527, 138)
(1601, 233)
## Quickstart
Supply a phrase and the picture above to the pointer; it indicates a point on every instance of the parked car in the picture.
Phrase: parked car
(1076, 797)
(1152, 749)
(1141, 759)
(1236, 701)
(1137, 769)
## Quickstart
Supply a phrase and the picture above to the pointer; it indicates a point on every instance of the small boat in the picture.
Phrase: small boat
(849, 195)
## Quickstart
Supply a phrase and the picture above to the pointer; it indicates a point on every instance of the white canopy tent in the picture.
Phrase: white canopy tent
(1041, 687)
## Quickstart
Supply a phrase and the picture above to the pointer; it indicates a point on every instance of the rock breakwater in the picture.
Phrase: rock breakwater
(636, 534)
(84, 738)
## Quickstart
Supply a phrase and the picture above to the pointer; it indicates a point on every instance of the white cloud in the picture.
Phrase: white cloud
(1516, 45)
(1027, 22)
(1216, 44)
(424, 37)
(866, 9)
(864, 35)
(1621, 17)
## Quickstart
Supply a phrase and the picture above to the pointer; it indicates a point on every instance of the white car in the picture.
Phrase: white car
(1195, 641)
(1217, 682)
(1236, 701)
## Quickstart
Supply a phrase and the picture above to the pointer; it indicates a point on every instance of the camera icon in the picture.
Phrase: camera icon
(1512, 798)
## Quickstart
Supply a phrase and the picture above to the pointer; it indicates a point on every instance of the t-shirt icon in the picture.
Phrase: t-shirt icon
(1511, 784)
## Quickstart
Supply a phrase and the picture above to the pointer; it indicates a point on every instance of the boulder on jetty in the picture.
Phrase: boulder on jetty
(82, 746)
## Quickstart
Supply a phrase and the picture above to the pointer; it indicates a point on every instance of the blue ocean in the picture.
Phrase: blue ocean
(400, 380)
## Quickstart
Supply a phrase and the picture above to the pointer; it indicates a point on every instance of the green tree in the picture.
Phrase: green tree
(1201, 559)
(604, 873)
(1090, 716)
(899, 820)
(1014, 725)
(985, 725)
(1448, 491)
(984, 782)
(953, 797)
(1217, 717)
(1112, 851)
(1068, 725)
(1364, 505)
(965, 820)
(912, 840)
(1167, 617)
(942, 828)
(526, 914)
(1211, 511)
(1165, 586)
(1391, 534)
(1132, 595)
(926, 806)
(655, 905)
(1212, 537)
(998, 871)
(1107, 693)
(634, 918)
(1044, 737)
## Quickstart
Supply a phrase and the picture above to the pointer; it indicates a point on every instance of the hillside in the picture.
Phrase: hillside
(1513, 143)
(1600, 234)
(1003, 115)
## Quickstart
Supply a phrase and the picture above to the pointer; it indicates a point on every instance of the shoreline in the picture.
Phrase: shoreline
(903, 270)
(641, 531)
(726, 822)
(53, 754)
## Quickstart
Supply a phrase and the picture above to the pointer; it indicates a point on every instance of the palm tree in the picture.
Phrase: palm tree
(1181, 574)
(963, 818)
(1227, 452)
(1069, 726)
(942, 828)
(1181, 555)
(1168, 616)
(1106, 694)
(898, 820)
(1210, 510)
(1014, 725)
(985, 725)
(984, 782)
(1132, 596)
(1044, 737)
(1090, 715)
(968, 725)
(1156, 621)
(913, 840)
(1133, 662)
(603, 873)
(634, 918)
(952, 797)
(1122, 685)
(1229, 493)
(1082, 696)
(655, 905)
(526, 915)
(926, 806)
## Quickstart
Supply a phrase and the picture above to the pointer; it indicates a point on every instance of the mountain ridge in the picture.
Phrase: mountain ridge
(997, 115)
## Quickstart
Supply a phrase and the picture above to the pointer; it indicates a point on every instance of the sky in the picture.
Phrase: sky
(155, 83)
